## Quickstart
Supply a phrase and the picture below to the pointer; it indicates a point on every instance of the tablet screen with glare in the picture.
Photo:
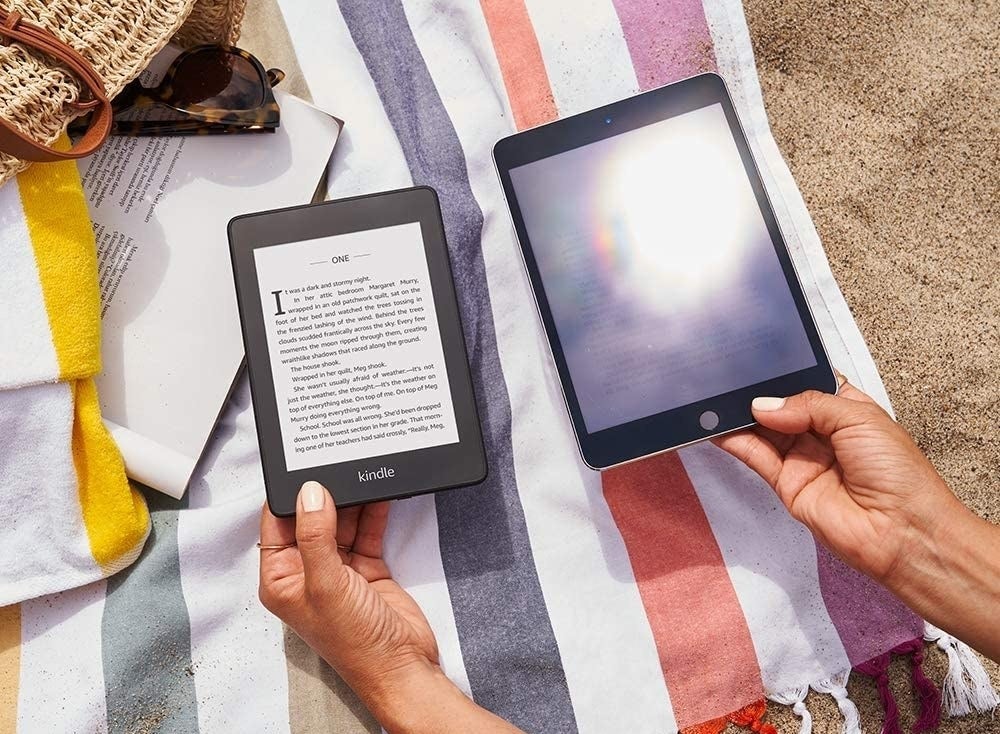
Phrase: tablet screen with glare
(663, 282)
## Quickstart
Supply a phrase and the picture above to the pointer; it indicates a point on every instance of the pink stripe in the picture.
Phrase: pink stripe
(706, 654)
(667, 39)
(521, 64)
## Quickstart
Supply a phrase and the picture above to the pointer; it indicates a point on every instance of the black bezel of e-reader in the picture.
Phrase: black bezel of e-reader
(681, 426)
(418, 471)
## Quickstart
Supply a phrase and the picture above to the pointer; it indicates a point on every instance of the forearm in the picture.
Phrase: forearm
(952, 577)
(420, 698)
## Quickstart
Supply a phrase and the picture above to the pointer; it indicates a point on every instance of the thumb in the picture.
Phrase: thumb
(316, 531)
(819, 412)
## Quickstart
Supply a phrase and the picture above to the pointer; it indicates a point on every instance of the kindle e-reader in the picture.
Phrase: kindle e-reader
(659, 272)
(354, 346)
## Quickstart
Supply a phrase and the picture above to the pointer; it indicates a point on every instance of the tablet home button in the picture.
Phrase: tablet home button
(709, 420)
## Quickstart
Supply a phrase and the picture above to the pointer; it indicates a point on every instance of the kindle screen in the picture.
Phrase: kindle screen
(355, 347)
(657, 265)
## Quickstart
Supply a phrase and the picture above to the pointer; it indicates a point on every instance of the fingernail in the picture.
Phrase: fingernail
(313, 496)
(768, 403)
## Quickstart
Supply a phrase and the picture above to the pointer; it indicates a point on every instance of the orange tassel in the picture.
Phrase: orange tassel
(751, 717)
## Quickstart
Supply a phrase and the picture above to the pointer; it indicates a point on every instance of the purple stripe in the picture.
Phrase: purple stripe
(868, 618)
(667, 39)
(508, 646)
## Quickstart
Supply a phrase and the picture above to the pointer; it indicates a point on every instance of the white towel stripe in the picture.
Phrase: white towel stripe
(45, 507)
(62, 677)
(584, 51)
(771, 560)
(414, 557)
(24, 322)
(368, 157)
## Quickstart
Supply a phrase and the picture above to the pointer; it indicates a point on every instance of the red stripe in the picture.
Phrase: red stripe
(701, 635)
(521, 64)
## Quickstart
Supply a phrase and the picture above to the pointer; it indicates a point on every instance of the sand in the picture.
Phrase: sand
(887, 112)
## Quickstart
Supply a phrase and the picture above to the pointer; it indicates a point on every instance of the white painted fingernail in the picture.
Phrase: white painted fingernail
(768, 403)
(313, 496)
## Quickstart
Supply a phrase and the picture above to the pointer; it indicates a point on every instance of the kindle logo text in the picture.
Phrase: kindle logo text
(383, 472)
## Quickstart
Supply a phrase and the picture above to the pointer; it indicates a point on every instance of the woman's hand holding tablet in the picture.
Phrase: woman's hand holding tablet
(662, 280)
(357, 361)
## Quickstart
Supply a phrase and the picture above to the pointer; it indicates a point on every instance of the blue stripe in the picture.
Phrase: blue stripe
(510, 652)
(146, 636)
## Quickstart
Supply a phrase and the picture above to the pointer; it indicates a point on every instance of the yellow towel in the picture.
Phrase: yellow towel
(68, 515)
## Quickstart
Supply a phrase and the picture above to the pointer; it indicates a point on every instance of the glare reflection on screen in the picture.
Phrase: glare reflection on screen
(659, 269)
(641, 179)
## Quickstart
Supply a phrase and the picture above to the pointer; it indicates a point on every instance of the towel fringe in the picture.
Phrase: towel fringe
(836, 686)
(751, 717)
(748, 717)
(928, 695)
(967, 686)
(878, 668)
(796, 698)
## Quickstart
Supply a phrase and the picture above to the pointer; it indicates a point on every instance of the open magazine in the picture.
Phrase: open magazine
(171, 344)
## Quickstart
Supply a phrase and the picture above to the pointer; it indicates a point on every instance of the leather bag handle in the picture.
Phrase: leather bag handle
(93, 97)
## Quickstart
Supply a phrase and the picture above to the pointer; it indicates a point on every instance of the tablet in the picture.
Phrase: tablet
(354, 346)
(659, 271)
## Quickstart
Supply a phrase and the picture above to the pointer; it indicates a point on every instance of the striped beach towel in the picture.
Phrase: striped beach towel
(675, 594)
(68, 516)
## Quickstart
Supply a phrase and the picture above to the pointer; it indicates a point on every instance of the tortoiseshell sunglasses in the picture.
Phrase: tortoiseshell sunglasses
(207, 90)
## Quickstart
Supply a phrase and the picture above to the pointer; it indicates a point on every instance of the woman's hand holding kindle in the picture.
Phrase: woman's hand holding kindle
(330, 584)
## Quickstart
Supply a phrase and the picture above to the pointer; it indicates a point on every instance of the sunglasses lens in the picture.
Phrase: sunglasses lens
(219, 79)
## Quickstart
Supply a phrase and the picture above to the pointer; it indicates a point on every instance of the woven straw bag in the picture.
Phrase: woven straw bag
(117, 37)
